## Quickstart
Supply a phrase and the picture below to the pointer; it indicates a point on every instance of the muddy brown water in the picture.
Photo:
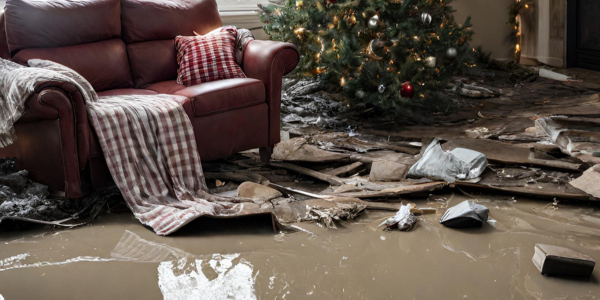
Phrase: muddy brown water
(117, 258)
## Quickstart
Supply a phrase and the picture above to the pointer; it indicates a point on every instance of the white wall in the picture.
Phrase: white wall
(245, 19)
(489, 24)
(544, 32)
(242, 14)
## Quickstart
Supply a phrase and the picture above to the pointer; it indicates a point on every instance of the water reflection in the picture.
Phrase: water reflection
(20, 262)
(182, 275)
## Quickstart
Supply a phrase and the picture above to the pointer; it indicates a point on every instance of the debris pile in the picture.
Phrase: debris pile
(305, 104)
(22, 199)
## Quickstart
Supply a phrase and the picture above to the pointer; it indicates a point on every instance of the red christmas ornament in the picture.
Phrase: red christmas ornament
(407, 90)
(333, 1)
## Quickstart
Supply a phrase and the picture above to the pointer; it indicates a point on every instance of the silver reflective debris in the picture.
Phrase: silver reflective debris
(465, 214)
(458, 164)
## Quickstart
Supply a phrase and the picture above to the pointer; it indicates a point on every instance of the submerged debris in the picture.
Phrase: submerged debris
(7, 166)
(466, 214)
(23, 198)
(553, 205)
(327, 215)
(324, 211)
(555, 260)
(404, 219)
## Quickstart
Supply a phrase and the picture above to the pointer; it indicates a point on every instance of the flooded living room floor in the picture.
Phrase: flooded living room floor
(117, 258)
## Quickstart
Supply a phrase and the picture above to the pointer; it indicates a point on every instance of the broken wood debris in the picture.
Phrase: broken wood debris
(474, 91)
(345, 170)
(547, 177)
(578, 137)
(588, 181)
(306, 171)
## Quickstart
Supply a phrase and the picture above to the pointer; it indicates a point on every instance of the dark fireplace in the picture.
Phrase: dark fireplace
(583, 34)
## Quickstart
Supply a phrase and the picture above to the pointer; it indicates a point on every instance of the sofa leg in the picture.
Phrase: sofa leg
(265, 154)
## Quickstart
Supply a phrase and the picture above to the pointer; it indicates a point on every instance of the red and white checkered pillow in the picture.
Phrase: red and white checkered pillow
(207, 57)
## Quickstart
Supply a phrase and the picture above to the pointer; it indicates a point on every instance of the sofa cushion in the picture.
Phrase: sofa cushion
(149, 20)
(223, 95)
(118, 92)
(58, 23)
(207, 57)
(185, 102)
(104, 64)
(95, 150)
(165, 87)
(153, 61)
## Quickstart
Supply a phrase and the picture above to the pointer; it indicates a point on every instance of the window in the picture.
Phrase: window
(239, 5)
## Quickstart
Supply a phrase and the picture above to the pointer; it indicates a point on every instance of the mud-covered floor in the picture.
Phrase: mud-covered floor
(117, 258)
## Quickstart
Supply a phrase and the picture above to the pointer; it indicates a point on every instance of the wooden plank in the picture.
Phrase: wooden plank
(345, 169)
(396, 191)
(527, 192)
(503, 153)
(308, 172)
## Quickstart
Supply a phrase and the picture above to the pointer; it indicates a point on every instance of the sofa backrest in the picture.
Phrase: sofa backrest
(4, 52)
(149, 28)
(84, 35)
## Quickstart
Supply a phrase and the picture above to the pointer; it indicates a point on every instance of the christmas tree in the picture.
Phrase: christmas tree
(389, 55)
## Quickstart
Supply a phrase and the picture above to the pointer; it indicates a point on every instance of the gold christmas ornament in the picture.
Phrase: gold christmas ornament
(371, 49)
(299, 31)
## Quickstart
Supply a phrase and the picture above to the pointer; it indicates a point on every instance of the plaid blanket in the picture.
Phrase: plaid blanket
(151, 152)
(147, 140)
(17, 84)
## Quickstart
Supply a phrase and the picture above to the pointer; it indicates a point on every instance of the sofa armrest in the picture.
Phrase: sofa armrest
(63, 101)
(268, 61)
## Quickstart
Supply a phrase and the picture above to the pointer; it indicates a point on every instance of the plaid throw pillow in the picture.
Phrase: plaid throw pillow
(207, 57)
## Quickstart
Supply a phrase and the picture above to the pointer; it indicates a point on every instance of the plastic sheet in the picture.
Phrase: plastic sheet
(458, 164)
(466, 214)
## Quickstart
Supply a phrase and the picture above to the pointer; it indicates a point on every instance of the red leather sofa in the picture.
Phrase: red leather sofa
(127, 47)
